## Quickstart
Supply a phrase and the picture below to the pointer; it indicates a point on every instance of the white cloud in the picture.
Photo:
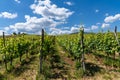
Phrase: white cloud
(1, 32)
(18, 1)
(55, 31)
(112, 18)
(68, 3)
(74, 29)
(104, 25)
(96, 10)
(87, 29)
(8, 15)
(98, 23)
(45, 8)
(93, 27)
(32, 25)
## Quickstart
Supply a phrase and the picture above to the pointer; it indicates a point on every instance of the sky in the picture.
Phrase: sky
(58, 16)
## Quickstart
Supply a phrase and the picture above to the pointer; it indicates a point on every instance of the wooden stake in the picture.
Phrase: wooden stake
(41, 52)
(5, 61)
(82, 45)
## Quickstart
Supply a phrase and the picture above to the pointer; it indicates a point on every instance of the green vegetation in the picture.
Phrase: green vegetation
(74, 56)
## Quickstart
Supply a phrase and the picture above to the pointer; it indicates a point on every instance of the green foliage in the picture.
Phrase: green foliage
(78, 65)
(18, 45)
(93, 42)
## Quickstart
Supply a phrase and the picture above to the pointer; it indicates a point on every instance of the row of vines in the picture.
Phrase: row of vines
(15, 46)
(102, 45)
(22, 47)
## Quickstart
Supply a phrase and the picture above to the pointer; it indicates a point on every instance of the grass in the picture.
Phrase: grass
(108, 61)
(19, 68)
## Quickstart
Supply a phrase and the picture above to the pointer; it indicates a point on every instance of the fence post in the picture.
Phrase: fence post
(41, 52)
(82, 45)
(5, 51)
(115, 33)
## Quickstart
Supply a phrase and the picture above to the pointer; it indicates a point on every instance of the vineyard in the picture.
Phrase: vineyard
(87, 56)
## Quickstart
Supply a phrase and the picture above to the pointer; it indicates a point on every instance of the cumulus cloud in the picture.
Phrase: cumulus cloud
(93, 27)
(68, 3)
(65, 30)
(76, 28)
(32, 25)
(1, 32)
(8, 15)
(104, 25)
(87, 29)
(112, 18)
(18, 1)
(45, 8)
(5, 33)
(98, 23)
(73, 29)
(56, 31)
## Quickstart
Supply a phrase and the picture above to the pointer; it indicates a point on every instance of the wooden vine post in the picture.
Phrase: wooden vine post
(82, 46)
(115, 33)
(41, 52)
(10, 54)
(116, 36)
(5, 61)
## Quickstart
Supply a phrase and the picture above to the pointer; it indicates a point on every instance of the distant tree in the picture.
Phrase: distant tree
(14, 33)
(19, 33)
(24, 33)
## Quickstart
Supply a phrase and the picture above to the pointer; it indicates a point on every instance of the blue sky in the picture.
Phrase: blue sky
(58, 16)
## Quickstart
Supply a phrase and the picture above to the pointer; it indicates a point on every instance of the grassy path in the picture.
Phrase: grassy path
(30, 70)
(69, 63)
(100, 70)
(96, 70)
(64, 68)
